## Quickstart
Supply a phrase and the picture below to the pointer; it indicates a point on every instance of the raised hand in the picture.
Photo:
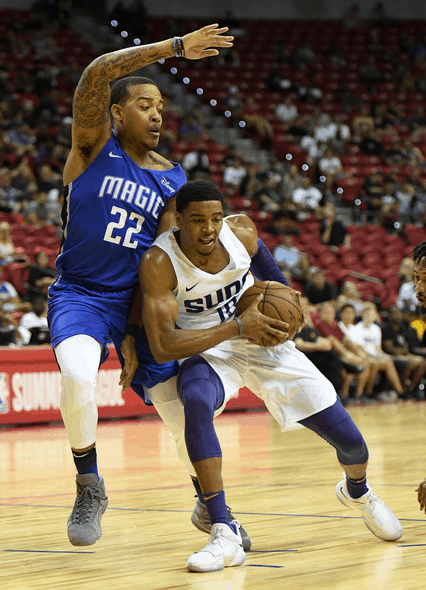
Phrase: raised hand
(202, 43)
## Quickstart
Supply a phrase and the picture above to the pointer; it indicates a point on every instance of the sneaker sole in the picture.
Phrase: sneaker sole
(238, 560)
(77, 543)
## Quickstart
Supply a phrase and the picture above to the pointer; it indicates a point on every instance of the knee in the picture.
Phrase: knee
(78, 388)
(355, 453)
(196, 403)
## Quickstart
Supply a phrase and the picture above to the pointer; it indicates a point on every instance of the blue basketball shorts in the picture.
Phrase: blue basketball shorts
(74, 309)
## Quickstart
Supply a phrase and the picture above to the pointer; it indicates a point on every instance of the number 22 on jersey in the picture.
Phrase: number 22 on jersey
(113, 231)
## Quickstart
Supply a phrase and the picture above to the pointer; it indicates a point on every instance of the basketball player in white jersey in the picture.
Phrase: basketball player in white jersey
(200, 272)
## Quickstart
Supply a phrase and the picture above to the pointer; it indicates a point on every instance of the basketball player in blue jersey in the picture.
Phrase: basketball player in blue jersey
(118, 195)
(201, 270)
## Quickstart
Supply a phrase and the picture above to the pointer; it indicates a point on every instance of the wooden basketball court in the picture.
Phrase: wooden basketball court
(280, 485)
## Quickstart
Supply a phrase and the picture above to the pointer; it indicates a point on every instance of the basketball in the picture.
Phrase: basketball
(279, 302)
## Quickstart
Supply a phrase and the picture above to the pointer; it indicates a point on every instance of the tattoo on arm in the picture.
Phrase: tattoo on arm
(91, 100)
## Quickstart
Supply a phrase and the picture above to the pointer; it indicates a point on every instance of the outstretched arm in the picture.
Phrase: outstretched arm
(91, 121)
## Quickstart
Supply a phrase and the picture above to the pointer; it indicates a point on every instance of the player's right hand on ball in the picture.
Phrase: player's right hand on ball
(261, 329)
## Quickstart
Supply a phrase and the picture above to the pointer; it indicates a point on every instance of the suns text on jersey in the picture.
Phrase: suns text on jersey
(229, 294)
(131, 192)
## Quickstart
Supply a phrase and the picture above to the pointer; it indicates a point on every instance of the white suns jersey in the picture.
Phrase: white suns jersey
(205, 299)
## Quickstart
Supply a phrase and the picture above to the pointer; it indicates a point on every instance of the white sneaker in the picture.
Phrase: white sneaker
(378, 517)
(224, 550)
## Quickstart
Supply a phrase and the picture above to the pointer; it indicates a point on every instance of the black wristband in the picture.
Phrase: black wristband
(131, 330)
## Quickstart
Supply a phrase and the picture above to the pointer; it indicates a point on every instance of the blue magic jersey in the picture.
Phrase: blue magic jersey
(110, 217)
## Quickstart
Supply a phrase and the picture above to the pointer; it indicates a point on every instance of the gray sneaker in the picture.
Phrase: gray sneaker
(200, 518)
(84, 523)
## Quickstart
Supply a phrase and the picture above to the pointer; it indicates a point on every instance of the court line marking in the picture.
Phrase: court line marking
(274, 550)
(261, 565)
(43, 551)
(117, 508)
(415, 545)
(185, 486)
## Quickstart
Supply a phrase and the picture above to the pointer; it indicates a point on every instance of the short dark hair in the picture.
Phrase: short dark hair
(345, 306)
(120, 88)
(419, 252)
(197, 190)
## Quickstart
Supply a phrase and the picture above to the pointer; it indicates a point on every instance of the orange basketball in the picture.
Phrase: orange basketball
(279, 302)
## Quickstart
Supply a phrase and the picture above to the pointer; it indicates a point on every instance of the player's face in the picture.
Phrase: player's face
(200, 224)
(419, 279)
(141, 115)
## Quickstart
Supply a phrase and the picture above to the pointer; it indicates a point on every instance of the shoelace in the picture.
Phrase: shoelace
(84, 505)
(371, 501)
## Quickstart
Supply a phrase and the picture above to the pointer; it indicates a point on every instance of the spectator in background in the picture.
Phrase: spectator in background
(234, 173)
(318, 289)
(37, 212)
(350, 295)
(284, 220)
(330, 166)
(190, 130)
(9, 333)
(311, 92)
(405, 272)
(307, 198)
(353, 357)
(290, 258)
(368, 334)
(395, 155)
(395, 343)
(406, 295)
(33, 326)
(417, 123)
(41, 276)
(373, 189)
(333, 230)
(276, 82)
(410, 208)
(48, 179)
(9, 298)
(234, 103)
(286, 111)
(7, 247)
(413, 154)
(305, 56)
(370, 145)
(363, 123)
(256, 123)
(318, 349)
(196, 163)
(292, 179)
(342, 135)
(267, 195)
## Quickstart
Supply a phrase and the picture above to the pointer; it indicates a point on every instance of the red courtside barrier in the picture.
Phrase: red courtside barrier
(30, 389)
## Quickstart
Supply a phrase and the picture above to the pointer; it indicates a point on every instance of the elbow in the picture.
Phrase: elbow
(162, 355)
